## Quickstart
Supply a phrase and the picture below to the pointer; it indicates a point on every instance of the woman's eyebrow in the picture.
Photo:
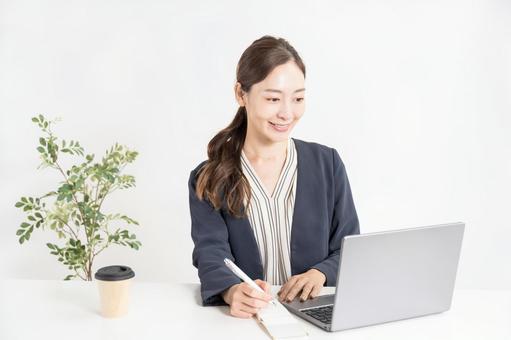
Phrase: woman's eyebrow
(279, 91)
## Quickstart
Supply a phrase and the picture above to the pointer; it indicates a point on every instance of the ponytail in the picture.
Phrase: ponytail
(221, 180)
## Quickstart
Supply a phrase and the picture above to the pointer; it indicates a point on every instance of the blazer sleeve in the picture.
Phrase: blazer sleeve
(344, 220)
(211, 240)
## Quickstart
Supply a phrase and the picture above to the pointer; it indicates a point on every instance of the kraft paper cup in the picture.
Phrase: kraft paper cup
(114, 289)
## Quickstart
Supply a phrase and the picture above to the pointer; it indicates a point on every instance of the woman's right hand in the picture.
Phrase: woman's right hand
(246, 301)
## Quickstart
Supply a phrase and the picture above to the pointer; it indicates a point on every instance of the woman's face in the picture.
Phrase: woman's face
(275, 104)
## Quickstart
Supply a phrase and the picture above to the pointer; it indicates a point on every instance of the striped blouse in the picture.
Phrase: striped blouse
(271, 217)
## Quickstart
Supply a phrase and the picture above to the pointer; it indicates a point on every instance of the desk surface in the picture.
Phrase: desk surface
(32, 309)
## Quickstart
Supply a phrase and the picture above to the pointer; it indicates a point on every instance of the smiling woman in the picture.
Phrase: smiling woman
(275, 205)
(276, 103)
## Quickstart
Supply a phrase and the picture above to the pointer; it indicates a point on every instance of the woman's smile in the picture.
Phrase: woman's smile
(280, 127)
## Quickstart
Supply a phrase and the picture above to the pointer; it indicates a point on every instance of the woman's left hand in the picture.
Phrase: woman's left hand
(307, 285)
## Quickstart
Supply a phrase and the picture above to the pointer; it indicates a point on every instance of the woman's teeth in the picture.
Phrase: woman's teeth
(280, 127)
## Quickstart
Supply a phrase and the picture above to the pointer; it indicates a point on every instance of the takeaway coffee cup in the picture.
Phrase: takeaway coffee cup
(114, 288)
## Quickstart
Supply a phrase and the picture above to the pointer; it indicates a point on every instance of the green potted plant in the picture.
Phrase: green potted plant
(75, 212)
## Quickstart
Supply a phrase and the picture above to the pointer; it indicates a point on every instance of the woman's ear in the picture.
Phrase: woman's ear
(240, 94)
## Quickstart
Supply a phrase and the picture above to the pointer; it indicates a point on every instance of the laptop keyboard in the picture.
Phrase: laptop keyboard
(323, 313)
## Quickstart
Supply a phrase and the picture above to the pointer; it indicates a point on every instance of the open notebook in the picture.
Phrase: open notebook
(280, 323)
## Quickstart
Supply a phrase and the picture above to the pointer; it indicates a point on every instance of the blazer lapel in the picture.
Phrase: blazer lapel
(304, 214)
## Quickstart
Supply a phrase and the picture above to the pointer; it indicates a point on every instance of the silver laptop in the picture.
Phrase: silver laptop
(388, 276)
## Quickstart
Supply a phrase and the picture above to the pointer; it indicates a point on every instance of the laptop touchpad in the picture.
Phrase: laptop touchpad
(322, 300)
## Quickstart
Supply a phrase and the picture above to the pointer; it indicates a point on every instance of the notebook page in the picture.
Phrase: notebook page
(280, 323)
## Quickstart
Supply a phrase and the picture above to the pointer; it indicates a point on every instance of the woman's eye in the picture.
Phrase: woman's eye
(277, 99)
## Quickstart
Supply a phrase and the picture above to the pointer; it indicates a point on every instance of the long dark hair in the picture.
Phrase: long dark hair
(221, 180)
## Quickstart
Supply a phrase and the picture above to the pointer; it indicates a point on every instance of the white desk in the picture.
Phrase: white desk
(56, 310)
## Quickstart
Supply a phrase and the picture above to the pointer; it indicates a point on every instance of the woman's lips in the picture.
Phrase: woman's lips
(280, 127)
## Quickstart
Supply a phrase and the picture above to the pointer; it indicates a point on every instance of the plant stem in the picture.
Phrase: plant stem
(99, 251)
(81, 277)
(71, 229)
(92, 255)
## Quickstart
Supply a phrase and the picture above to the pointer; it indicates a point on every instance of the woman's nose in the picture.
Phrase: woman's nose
(285, 113)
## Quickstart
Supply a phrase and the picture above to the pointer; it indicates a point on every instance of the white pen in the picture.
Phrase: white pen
(239, 273)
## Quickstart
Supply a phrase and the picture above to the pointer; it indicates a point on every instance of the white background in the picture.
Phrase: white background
(415, 95)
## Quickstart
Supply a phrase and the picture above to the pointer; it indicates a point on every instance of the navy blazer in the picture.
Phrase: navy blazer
(324, 213)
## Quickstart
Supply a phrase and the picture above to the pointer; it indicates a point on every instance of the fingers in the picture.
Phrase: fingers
(287, 287)
(303, 285)
(293, 287)
(247, 301)
(296, 289)
(253, 293)
(306, 285)
(240, 314)
(307, 289)
(264, 285)
(315, 291)
(254, 303)
(242, 307)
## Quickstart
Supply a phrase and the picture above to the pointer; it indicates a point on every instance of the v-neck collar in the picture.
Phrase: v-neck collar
(305, 190)
(256, 178)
